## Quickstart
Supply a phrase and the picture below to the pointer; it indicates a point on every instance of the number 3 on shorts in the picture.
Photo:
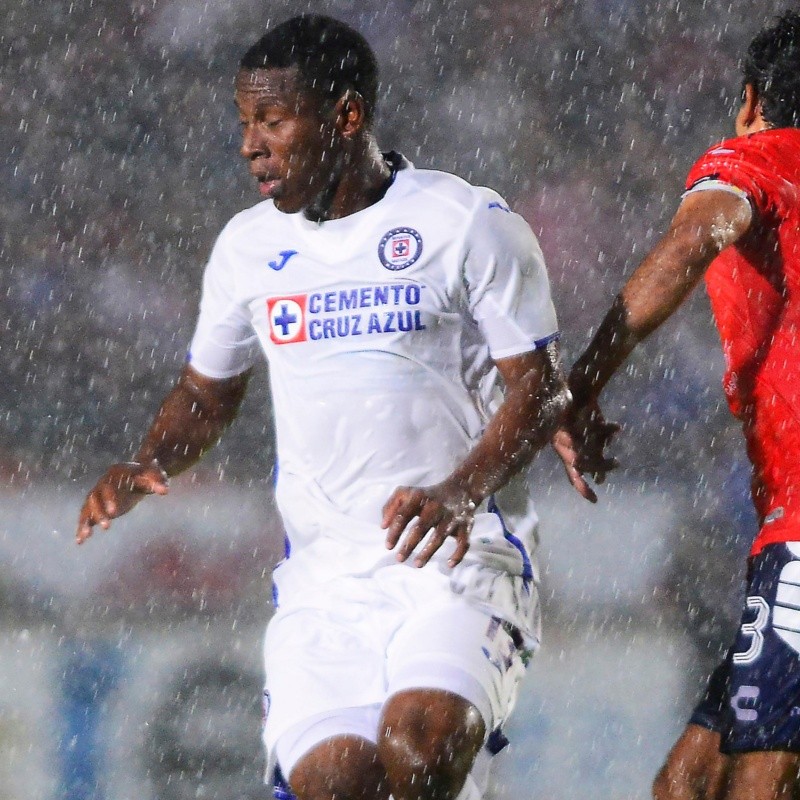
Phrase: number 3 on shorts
(754, 630)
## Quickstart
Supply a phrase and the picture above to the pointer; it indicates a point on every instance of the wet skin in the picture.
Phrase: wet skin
(307, 153)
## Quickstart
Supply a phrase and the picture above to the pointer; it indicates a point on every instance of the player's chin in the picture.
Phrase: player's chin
(287, 204)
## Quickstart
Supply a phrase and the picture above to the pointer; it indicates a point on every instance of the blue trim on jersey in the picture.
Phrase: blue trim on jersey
(287, 551)
(280, 786)
(287, 545)
(527, 567)
(553, 337)
(496, 741)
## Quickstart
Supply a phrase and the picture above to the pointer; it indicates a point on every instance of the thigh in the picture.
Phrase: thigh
(461, 650)
(763, 776)
(695, 768)
(357, 724)
(341, 767)
(317, 662)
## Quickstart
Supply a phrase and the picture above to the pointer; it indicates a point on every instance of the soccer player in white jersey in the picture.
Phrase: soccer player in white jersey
(390, 303)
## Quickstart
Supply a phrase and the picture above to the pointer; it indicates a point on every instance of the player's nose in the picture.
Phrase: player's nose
(252, 145)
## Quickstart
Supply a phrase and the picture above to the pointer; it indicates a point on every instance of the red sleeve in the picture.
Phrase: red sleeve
(744, 164)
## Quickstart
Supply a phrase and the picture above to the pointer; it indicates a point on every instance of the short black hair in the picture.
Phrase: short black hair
(331, 57)
(772, 68)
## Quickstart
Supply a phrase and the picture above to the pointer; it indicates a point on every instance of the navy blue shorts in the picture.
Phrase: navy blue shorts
(753, 696)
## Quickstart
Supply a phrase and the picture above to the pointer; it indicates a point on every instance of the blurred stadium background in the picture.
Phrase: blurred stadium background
(130, 668)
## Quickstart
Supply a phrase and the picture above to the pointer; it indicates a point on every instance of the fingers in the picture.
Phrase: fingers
(429, 516)
(462, 545)
(600, 473)
(415, 514)
(603, 434)
(458, 528)
(579, 484)
(152, 481)
(581, 447)
(566, 450)
(596, 466)
(116, 493)
(610, 429)
(92, 513)
(398, 512)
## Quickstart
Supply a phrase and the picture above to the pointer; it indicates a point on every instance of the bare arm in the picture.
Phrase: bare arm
(191, 419)
(534, 402)
(705, 224)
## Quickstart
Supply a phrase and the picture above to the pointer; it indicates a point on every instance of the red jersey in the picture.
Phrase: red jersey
(754, 288)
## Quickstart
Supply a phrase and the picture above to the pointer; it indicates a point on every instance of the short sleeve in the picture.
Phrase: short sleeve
(735, 165)
(224, 342)
(508, 289)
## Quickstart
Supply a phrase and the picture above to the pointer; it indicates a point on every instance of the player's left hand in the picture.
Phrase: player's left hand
(442, 510)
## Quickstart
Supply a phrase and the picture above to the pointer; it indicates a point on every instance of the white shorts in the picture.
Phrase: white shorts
(331, 669)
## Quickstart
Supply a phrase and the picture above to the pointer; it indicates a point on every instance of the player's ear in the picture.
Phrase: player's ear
(750, 113)
(351, 113)
(752, 102)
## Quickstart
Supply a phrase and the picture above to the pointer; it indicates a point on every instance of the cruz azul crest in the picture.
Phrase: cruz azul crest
(400, 248)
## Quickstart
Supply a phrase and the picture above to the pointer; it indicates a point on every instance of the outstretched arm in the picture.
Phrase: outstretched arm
(705, 223)
(534, 402)
(191, 419)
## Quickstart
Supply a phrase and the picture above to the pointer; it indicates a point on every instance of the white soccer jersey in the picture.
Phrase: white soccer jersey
(380, 330)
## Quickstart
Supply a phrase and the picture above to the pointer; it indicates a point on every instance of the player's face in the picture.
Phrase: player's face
(289, 138)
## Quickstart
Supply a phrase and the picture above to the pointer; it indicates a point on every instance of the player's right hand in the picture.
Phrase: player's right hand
(117, 492)
(581, 444)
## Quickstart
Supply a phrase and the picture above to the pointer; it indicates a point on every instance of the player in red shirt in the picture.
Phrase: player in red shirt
(739, 225)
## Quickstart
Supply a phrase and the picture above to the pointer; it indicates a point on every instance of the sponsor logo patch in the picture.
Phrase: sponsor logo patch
(287, 323)
(743, 701)
(364, 311)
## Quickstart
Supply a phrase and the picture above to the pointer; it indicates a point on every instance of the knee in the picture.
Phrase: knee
(312, 782)
(678, 780)
(666, 782)
(340, 770)
(428, 755)
(423, 767)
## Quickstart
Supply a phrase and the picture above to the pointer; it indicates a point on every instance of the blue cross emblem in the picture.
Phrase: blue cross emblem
(285, 319)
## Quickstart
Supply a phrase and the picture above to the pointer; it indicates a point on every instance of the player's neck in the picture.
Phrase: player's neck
(359, 181)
